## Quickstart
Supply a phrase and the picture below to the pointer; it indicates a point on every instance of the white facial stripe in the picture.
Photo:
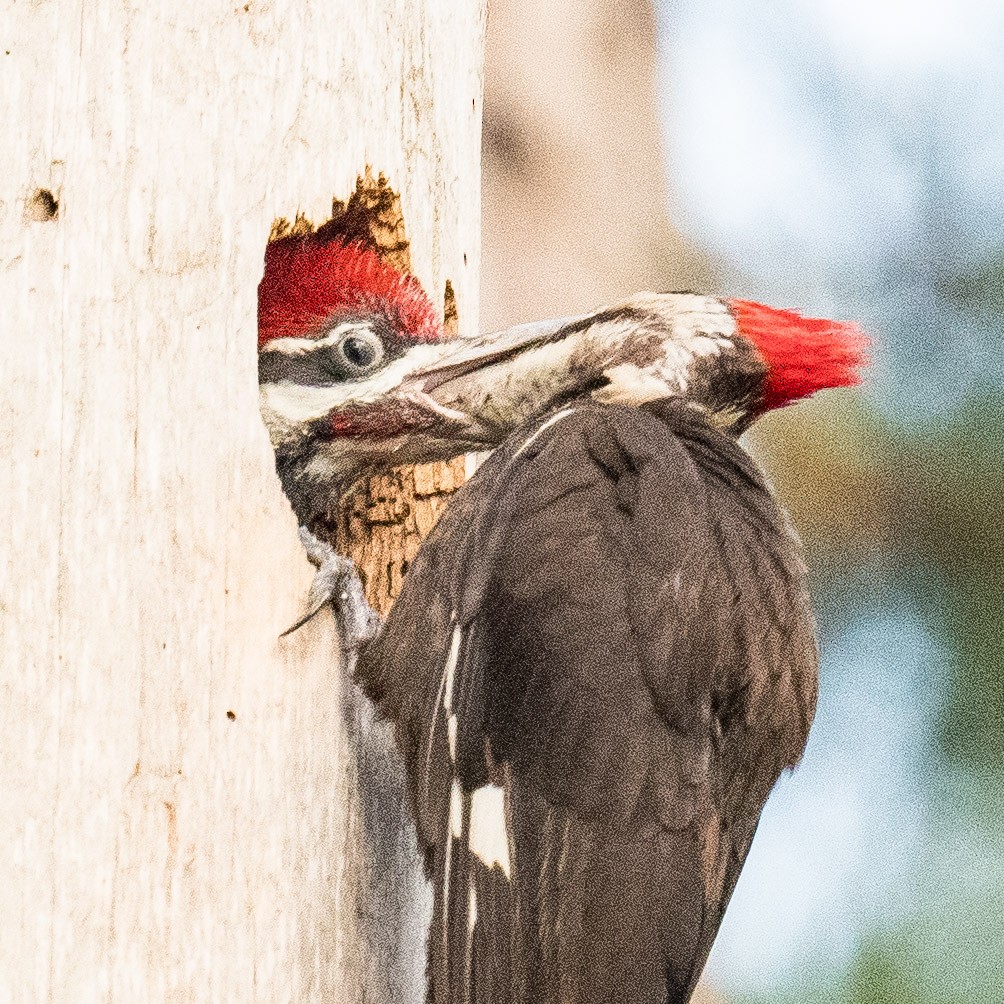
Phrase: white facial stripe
(300, 346)
(296, 404)
(700, 323)
(428, 403)
(629, 384)
(709, 317)
(489, 835)
(472, 461)
(692, 315)
(689, 326)
(702, 326)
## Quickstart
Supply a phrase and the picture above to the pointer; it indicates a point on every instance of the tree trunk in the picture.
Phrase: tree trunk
(181, 798)
(575, 192)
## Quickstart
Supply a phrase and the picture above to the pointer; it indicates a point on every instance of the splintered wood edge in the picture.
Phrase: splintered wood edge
(382, 522)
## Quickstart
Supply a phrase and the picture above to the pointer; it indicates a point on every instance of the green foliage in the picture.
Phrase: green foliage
(951, 493)
(883, 974)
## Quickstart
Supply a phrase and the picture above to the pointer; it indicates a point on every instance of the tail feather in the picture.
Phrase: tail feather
(588, 915)
(471, 942)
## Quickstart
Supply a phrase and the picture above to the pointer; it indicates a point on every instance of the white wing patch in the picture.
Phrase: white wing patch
(472, 909)
(456, 810)
(489, 834)
(451, 668)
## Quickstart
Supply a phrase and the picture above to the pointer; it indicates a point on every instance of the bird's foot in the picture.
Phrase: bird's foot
(337, 583)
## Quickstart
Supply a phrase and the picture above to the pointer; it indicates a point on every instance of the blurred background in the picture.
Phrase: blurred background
(843, 157)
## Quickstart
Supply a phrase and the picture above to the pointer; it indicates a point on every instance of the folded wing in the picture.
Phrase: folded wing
(602, 660)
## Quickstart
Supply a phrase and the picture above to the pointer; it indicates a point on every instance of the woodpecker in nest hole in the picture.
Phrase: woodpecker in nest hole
(604, 655)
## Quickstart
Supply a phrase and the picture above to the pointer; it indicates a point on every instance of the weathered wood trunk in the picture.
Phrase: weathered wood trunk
(180, 788)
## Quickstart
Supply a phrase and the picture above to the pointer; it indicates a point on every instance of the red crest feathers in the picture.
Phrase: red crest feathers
(803, 354)
(308, 281)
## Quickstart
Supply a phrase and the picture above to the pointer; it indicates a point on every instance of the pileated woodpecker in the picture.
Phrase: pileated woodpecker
(603, 656)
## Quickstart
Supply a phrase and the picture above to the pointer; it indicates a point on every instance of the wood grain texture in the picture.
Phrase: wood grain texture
(381, 524)
(183, 815)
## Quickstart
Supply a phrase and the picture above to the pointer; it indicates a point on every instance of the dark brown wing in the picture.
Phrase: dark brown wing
(601, 661)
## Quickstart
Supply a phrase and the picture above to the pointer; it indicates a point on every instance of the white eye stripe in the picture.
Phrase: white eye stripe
(291, 404)
(299, 346)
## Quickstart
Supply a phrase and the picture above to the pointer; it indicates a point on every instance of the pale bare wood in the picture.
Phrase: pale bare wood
(182, 819)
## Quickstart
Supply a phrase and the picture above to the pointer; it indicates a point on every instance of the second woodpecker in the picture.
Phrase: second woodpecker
(603, 656)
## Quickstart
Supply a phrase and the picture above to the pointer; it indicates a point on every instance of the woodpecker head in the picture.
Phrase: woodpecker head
(356, 375)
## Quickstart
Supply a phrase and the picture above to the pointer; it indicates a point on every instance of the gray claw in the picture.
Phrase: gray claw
(337, 583)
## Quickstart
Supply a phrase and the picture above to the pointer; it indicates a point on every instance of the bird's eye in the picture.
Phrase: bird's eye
(360, 351)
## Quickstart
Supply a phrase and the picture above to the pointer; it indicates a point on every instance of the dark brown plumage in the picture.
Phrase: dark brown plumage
(614, 611)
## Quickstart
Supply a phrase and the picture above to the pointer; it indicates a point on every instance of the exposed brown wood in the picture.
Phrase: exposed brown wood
(381, 524)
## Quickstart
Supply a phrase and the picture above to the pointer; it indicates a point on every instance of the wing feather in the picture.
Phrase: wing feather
(622, 610)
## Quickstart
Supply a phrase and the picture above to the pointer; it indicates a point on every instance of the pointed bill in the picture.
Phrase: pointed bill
(464, 355)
